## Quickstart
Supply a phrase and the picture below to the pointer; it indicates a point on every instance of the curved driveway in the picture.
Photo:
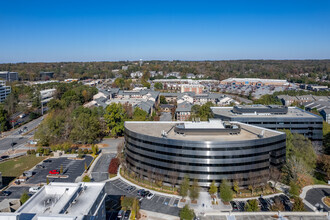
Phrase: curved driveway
(314, 194)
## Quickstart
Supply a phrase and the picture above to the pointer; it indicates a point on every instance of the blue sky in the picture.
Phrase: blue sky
(64, 30)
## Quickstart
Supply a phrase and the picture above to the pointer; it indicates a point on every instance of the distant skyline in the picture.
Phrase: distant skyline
(56, 31)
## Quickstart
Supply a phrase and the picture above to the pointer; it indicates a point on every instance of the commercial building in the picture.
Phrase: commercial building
(205, 151)
(4, 90)
(254, 82)
(47, 95)
(196, 88)
(69, 201)
(9, 76)
(274, 117)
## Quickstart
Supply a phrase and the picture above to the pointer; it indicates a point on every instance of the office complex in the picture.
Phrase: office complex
(274, 117)
(8, 76)
(254, 82)
(4, 90)
(70, 201)
(205, 151)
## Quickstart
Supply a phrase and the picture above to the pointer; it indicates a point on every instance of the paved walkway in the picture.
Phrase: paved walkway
(304, 193)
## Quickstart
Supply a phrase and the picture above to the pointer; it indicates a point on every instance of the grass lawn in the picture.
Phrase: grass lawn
(15, 167)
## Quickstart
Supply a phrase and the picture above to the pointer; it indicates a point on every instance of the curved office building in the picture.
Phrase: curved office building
(206, 151)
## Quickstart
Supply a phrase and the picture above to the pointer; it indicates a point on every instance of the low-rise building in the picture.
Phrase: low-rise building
(255, 82)
(8, 76)
(47, 95)
(4, 90)
(137, 74)
(69, 201)
(326, 114)
(183, 111)
(196, 88)
(275, 117)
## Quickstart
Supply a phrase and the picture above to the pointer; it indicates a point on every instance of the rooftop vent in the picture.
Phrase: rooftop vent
(261, 135)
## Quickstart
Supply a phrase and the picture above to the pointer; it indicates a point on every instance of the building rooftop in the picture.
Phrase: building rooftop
(157, 129)
(63, 198)
(293, 112)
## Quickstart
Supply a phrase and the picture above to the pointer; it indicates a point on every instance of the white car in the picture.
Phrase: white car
(34, 189)
(150, 196)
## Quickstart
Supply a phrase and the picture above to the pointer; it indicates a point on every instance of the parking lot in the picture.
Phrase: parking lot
(264, 203)
(159, 203)
(15, 192)
(314, 197)
(71, 168)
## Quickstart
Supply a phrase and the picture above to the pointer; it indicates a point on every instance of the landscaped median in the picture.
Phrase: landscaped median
(148, 185)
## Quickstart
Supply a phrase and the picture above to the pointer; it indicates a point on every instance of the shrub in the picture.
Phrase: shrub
(86, 179)
(33, 152)
(28, 152)
(24, 197)
(85, 151)
(113, 166)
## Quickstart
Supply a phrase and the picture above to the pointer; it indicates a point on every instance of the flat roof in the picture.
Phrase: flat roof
(293, 112)
(59, 198)
(156, 128)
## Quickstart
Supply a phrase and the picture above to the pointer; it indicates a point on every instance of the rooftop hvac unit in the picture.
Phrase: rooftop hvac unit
(261, 135)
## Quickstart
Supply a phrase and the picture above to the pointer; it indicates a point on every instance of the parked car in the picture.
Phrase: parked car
(54, 172)
(40, 166)
(140, 192)
(47, 161)
(145, 193)
(34, 189)
(127, 214)
(234, 205)
(150, 196)
(120, 214)
(5, 193)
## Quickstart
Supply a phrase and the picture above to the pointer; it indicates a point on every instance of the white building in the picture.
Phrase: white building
(68, 201)
(137, 74)
(4, 90)
(47, 94)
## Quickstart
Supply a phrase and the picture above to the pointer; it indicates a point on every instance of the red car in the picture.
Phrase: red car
(54, 172)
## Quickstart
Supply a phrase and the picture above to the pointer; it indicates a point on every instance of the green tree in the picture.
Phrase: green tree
(24, 197)
(86, 126)
(203, 112)
(213, 188)
(61, 169)
(184, 186)
(4, 122)
(298, 205)
(186, 213)
(86, 179)
(226, 194)
(47, 181)
(139, 115)
(162, 100)
(235, 186)
(114, 117)
(194, 190)
(85, 166)
(326, 144)
(294, 189)
(252, 206)
(158, 86)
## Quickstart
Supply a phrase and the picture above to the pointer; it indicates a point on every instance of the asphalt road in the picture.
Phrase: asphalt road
(100, 170)
(314, 197)
(15, 137)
